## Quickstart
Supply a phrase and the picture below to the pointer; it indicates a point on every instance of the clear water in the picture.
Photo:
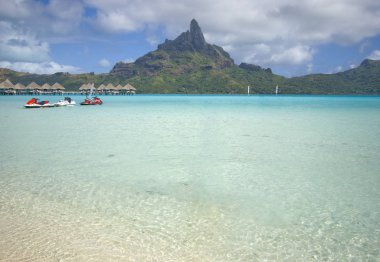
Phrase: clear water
(191, 178)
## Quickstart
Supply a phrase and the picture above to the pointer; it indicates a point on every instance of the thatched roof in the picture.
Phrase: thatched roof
(129, 87)
(119, 87)
(85, 87)
(33, 85)
(6, 84)
(58, 86)
(46, 86)
(110, 87)
(19, 86)
(101, 87)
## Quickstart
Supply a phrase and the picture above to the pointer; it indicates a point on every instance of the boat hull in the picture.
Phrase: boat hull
(39, 106)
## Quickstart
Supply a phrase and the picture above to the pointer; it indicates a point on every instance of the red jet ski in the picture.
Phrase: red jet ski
(94, 101)
(34, 103)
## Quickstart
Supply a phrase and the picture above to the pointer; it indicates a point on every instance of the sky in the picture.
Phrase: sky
(290, 36)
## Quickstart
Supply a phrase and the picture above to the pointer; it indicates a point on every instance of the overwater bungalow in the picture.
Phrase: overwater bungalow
(33, 88)
(58, 88)
(85, 88)
(110, 89)
(46, 88)
(7, 87)
(20, 88)
(130, 89)
(101, 89)
(118, 89)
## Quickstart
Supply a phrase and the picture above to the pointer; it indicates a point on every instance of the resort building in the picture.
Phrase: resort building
(7, 87)
(58, 88)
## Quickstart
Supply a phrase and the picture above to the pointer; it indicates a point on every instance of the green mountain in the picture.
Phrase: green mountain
(188, 64)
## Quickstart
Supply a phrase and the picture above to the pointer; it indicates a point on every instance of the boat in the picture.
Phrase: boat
(65, 102)
(35, 103)
(91, 101)
(94, 101)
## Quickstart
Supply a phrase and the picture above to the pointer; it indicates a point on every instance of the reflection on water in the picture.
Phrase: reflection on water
(191, 178)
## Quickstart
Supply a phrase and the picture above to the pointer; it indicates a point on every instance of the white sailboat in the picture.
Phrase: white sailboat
(248, 89)
(276, 89)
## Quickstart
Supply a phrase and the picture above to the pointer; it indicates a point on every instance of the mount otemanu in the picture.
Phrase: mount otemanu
(188, 64)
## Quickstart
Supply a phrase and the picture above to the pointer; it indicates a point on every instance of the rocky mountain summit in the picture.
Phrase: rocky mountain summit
(189, 52)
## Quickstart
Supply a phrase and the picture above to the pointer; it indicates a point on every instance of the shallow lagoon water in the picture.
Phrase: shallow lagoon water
(191, 178)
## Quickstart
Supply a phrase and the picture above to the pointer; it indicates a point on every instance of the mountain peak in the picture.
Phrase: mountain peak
(196, 35)
(192, 40)
(188, 52)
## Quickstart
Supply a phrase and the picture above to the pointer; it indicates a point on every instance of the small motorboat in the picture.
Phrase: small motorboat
(65, 102)
(94, 101)
(35, 103)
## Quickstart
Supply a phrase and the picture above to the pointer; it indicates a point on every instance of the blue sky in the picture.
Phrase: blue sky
(291, 37)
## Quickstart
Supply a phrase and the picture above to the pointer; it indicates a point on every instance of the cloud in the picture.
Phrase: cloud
(277, 54)
(104, 63)
(249, 29)
(375, 55)
(128, 60)
(338, 69)
(269, 33)
(17, 46)
(46, 21)
(39, 68)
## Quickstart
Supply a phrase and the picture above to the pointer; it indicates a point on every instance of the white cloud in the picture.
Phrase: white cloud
(46, 21)
(128, 60)
(375, 55)
(277, 54)
(268, 33)
(39, 68)
(104, 63)
(338, 69)
(16, 45)
(248, 29)
(295, 55)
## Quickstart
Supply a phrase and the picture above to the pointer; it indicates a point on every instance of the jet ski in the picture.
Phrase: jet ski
(65, 102)
(94, 101)
(35, 103)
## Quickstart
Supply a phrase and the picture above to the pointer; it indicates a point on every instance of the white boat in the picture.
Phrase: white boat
(65, 102)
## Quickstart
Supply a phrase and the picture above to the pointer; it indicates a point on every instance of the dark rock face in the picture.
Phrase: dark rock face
(196, 36)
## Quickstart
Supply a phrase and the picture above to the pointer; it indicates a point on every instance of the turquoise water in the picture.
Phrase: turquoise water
(191, 178)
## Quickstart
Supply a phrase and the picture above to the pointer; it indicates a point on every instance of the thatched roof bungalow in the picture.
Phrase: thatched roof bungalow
(33, 86)
(46, 87)
(85, 87)
(57, 86)
(101, 87)
(19, 86)
(7, 84)
(110, 87)
(130, 87)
